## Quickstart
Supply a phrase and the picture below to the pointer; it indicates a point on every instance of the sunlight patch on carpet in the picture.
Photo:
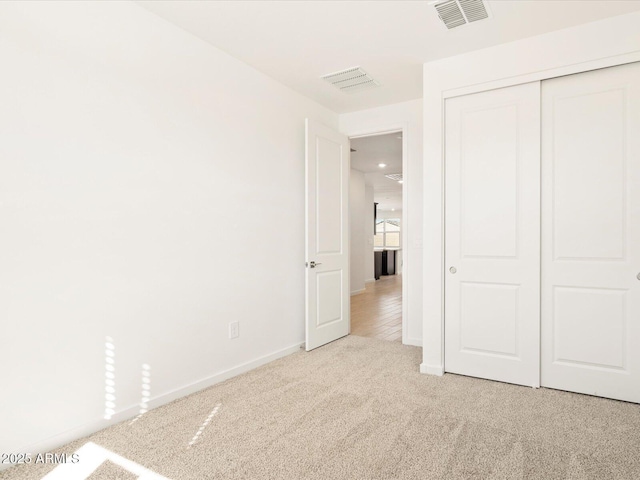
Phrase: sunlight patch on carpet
(146, 392)
(204, 425)
(91, 458)
(110, 376)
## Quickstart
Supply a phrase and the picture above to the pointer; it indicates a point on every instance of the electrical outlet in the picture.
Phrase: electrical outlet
(234, 330)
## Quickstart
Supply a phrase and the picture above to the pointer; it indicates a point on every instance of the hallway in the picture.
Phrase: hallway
(377, 312)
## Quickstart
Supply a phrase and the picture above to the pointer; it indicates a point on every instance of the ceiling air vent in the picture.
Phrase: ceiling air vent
(454, 13)
(395, 176)
(474, 10)
(351, 80)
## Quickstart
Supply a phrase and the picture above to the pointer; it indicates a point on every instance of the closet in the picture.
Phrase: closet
(542, 233)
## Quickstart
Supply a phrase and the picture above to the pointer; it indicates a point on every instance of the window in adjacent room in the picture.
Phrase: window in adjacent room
(387, 233)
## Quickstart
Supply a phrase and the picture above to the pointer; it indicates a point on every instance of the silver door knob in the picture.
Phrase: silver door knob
(313, 264)
(638, 276)
(453, 270)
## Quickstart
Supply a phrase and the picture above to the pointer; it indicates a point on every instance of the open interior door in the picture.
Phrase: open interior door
(326, 235)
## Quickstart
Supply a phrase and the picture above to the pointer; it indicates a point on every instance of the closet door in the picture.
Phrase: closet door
(492, 235)
(591, 233)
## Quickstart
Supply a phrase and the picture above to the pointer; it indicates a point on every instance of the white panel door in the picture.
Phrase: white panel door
(327, 235)
(492, 235)
(591, 233)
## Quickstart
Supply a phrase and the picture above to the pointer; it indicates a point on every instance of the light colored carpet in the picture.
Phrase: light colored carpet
(359, 409)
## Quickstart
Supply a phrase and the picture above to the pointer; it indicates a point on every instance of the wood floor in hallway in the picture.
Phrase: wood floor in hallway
(377, 312)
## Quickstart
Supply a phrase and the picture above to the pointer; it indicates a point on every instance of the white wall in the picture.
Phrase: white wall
(123, 143)
(406, 116)
(357, 209)
(595, 45)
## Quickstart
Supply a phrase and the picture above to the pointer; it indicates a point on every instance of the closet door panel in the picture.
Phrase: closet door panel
(492, 249)
(591, 233)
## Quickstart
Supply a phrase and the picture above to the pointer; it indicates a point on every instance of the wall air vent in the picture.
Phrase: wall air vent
(351, 80)
(454, 13)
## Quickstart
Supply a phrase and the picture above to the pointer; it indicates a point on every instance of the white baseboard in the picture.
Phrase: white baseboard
(416, 342)
(432, 369)
(370, 280)
(225, 375)
(130, 412)
(356, 292)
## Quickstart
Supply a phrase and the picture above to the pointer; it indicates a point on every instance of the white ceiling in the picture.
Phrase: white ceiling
(375, 149)
(370, 152)
(296, 42)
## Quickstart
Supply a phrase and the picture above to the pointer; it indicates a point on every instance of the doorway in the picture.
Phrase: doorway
(376, 244)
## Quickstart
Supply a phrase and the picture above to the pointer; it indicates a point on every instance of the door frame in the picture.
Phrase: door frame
(589, 45)
(398, 128)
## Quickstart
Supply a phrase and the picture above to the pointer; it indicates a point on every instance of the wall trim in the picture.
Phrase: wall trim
(432, 369)
(572, 69)
(357, 292)
(414, 341)
(370, 280)
(131, 411)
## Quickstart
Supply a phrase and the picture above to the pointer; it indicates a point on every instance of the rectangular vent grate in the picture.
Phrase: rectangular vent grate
(455, 13)
(395, 176)
(450, 13)
(474, 10)
(351, 80)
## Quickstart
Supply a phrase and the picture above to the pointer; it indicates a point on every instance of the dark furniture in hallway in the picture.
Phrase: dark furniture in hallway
(384, 262)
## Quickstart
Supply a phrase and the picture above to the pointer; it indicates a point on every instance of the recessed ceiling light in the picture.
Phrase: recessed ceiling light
(399, 137)
(399, 181)
(393, 209)
(382, 165)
